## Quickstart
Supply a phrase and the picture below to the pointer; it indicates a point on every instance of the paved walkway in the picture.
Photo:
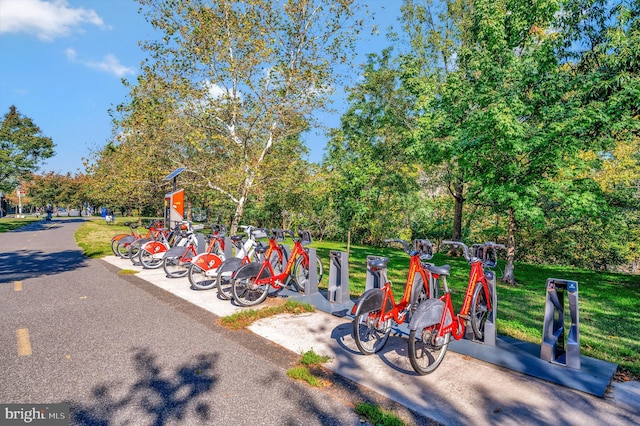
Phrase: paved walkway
(462, 391)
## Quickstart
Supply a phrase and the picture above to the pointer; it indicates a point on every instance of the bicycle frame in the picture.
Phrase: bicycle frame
(267, 275)
(398, 310)
(456, 324)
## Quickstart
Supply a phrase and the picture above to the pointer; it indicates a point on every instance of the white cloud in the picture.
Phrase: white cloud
(46, 20)
(110, 63)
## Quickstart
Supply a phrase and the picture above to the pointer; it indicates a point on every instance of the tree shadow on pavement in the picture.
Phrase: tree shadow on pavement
(154, 398)
(23, 264)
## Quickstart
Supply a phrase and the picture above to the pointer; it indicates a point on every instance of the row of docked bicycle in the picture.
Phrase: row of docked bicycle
(252, 269)
(431, 316)
(245, 271)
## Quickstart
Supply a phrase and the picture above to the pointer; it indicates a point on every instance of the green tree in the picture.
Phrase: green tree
(22, 149)
(436, 31)
(242, 78)
(373, 177)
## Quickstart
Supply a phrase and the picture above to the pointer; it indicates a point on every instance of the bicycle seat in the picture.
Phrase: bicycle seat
(236, 238)
(378, 262)
(261, 248)
(438, 270)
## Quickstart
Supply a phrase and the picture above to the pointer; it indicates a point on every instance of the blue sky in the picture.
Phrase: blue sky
(63, 61)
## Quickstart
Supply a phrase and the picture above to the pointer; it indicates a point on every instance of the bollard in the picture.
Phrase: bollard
(339, 291)
(202, 244)
(228, 248)
(376, 272)
(554, 348)
(311, 286)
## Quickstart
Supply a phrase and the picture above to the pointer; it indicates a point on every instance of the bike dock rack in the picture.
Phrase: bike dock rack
(375, 272)
(555, 348)
(339, 291)
(338, 301)
(228, 247)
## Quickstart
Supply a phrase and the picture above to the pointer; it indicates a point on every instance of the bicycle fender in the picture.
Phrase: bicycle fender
(429, 312)
(206, 261)
(128, 239)
(249, 270)
(371, 300)
(154, 247)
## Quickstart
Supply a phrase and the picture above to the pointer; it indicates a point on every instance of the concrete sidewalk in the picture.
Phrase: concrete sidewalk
(462, 391)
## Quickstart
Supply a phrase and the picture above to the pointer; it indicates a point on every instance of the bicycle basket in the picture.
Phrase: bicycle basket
(278, 235)
(305, 237)
(424, 248)
(259, 233)
(486, 253)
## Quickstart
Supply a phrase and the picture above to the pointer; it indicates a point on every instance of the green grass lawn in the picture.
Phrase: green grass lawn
(608, 302)
(10, 223)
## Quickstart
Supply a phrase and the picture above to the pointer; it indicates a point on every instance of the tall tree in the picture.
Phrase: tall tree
(245, 76)
(22, 149)
(372, 173)
(436, 31)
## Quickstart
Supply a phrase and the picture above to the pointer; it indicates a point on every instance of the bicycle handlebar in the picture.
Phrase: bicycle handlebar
(405, 245)
(485, 259)
(422, 248)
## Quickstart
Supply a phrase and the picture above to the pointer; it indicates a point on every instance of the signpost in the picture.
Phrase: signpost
(21, 193)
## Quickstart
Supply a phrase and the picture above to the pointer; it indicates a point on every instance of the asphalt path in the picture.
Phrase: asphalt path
(120, 351)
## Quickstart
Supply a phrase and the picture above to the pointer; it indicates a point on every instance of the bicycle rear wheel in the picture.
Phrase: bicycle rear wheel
(369, 336)
(123, 249)
(479, 311)
(425, 351)
(173, 268)
(199, 279)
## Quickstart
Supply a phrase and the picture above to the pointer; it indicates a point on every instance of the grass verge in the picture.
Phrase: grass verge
(9, 224)
(377, 416)
(310, 362)
(242, 319)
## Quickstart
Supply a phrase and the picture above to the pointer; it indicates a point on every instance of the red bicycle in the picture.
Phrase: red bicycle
(376, 310)
(434, 321)
(274, 251)
(252, 281)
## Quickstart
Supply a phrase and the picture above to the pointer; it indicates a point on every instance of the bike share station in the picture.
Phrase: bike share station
(556, 360)
(174, 201)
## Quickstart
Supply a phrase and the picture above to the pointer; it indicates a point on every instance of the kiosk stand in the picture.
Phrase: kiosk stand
(174, 201)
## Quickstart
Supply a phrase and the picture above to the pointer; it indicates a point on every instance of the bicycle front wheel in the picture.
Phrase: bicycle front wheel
(301, 273)
(199, 279)
(147, 260)
(173, 268)
(247, 293)
(370, 336)
(479, 311)
(114, 242)
(123, 249)
(426, 351)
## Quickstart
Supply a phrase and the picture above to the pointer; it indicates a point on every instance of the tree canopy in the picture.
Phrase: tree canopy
(22, 149)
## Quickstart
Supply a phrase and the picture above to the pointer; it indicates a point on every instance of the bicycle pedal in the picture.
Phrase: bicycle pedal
(464, 317)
